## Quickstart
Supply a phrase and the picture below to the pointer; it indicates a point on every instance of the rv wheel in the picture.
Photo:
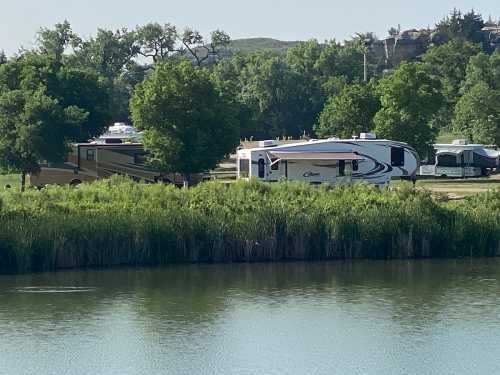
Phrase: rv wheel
(75, 182)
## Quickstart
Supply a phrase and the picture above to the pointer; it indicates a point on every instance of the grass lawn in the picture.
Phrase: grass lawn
(13, 180)
(457, 187)
(447, 137)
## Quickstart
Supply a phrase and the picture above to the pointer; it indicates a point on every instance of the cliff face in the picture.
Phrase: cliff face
(406, 46)
(410, 44)
(493, 36)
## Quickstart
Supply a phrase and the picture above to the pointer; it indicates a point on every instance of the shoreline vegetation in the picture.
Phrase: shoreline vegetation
(119, 222)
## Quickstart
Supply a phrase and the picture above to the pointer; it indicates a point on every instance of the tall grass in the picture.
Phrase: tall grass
(113, 222)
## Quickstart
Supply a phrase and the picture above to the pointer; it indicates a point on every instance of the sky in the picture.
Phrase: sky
(280, 19)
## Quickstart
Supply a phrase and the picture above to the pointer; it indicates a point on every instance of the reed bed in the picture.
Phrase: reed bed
(119, 222)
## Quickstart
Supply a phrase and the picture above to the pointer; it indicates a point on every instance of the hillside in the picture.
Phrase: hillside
(249, 45)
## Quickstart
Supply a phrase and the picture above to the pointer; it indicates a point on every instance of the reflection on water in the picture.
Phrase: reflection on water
(412, 317)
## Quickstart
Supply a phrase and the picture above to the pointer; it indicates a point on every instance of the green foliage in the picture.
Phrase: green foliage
(252, 45)
(44, 105)
(477, 114)
(410, 97)
(109, 53)
(71, 87)
(349, 113)
(449, 62)
(338, 60)
(188, 124)
(465, 26)
(117, 222)
(53, 42)
(283, 95)
(34, 127)
(156, 41)
(483, 68)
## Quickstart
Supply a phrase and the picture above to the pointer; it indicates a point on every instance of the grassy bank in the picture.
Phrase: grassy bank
(116, 222)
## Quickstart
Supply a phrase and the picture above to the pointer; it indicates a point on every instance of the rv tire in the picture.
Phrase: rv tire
(75, 182)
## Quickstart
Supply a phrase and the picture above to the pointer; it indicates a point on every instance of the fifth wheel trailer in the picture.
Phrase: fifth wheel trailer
(330, 161)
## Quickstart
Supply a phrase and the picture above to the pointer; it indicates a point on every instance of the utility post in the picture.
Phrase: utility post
(365, 68)
(366, 45)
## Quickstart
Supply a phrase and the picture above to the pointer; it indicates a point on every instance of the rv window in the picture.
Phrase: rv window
(90, 154)
(397, 156)
(341, 167)
(262, 168)
(113, 141)
(276, 165)
(445, 160)
(355, 165)
(244, 167)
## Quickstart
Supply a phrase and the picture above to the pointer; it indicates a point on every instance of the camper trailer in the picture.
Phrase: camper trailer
(331, 161)
(460, 159)
(118, 151)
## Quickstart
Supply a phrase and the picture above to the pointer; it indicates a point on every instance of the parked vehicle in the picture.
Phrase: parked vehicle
(119, 151)
(460, 159)
(331, 161)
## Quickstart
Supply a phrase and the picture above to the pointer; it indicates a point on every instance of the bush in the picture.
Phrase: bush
(116, 221)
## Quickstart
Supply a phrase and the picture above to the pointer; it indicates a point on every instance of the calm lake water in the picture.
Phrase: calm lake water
(417, 317)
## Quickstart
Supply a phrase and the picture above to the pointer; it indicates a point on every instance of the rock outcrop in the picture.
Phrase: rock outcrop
(409, 45)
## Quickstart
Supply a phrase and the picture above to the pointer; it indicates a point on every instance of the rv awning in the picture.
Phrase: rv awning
(292, 155)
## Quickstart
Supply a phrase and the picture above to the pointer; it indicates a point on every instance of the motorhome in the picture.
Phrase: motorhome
(118, 151)
(330, 161)
(461, 159)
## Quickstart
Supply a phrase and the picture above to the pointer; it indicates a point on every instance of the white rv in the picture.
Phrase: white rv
(331, 161)
(461, 159)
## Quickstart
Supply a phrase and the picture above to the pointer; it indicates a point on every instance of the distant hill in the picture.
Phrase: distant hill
(249, 45)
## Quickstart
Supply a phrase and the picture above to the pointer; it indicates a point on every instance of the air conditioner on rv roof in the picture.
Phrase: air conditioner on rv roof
(268, 143)
(367, 136)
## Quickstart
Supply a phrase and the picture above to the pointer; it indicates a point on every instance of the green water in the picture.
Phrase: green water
(418, 317)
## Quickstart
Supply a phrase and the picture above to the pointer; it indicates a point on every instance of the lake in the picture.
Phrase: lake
(364, 317)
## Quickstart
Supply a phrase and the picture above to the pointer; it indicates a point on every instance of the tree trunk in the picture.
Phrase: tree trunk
(23, 181)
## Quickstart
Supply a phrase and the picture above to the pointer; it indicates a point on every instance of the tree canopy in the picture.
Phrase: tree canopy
(410, 97)
(349, 113)
(189, 126)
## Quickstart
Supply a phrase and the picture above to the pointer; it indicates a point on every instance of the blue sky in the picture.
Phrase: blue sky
(286, 20)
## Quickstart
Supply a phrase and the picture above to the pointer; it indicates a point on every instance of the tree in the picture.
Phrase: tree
(466, 26)
(349, 113)
(53, 42)
(76, 87)
(410, 97)
(477, 114)
(449, 62)
(156, 41)
(44, 105)
(109, 53)
(277, 94)
(189, 126)
(194, 45)
(226, 77)
(33, 127)
(483, 68)
(84, 90)
(302, 61)
(342, 60)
